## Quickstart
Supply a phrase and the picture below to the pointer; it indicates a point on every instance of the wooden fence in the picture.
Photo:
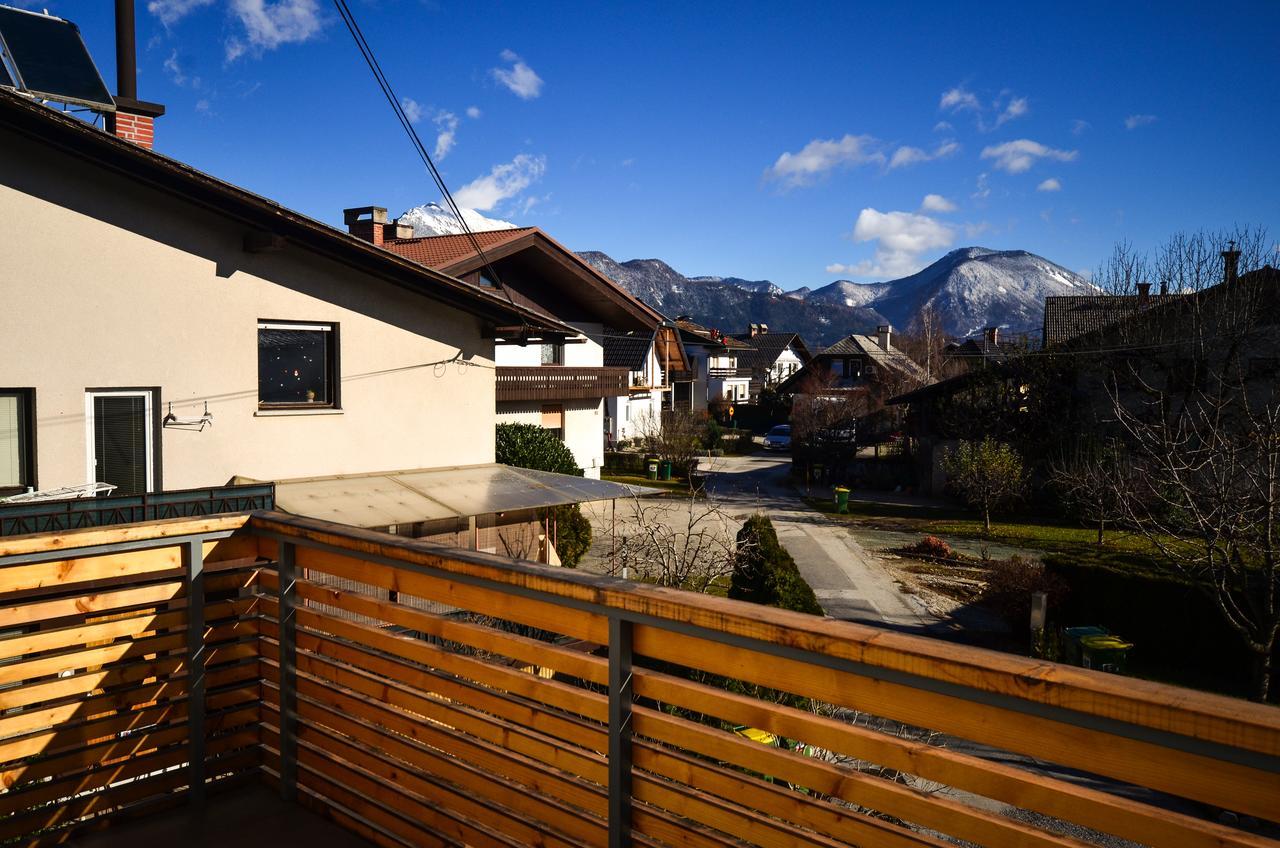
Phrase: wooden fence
(552, 707)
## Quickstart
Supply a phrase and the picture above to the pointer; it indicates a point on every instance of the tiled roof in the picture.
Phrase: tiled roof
(869, 346)
(1069, 316)
(443, 251)
(697, 334)
(767, 347)
(627, 351)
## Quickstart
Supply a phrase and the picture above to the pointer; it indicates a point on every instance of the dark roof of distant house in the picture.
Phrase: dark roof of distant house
(1068, 316)
(697, 334)
(767, 347)
(983, 346)
(869, 346)
(259, 215)
(627, 351)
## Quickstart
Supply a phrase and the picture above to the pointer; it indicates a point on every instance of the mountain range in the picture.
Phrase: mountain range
(971, 288)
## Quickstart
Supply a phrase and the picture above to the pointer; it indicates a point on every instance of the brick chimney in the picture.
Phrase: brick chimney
(1230, 263)
(885, 334)
(370, 223)
(133, 119)
(992, 335)
(1144, 294)
(1164, 287)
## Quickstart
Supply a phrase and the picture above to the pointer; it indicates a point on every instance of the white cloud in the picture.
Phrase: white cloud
(447, 124)
(412, 109)
(203, 106)
(1079, 127)
(984, 188)
(1134, 121)
(959, 99)
(502, 182)
(473, 112)
(520, 79)
(175, 70)
(904, 156)
(171, 11)
(1051, 184)
(267, 25)
(1015, 108)
(936, 203)
(822, 156)
(975, 230)
(1018, 156)
(943, 126)
(900, 237)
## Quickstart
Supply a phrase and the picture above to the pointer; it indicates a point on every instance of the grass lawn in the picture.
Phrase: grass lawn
(675, 488)
(1071, 543)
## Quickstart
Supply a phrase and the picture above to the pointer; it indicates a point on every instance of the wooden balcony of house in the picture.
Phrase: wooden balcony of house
(558, 382)
(262, 679)
(729, 373)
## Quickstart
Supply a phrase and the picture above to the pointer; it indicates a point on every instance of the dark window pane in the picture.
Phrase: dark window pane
(120, 442)
(14, 443)
(295, 366)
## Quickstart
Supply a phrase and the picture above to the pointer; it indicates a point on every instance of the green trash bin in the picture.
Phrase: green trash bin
(842, 500)
(651, 462)
(664, 469)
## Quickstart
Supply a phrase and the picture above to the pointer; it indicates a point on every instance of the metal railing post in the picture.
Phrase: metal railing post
(193, 553)
(288, 691)
(619, 733)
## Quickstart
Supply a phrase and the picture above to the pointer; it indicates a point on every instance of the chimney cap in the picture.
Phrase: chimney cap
(377, 214)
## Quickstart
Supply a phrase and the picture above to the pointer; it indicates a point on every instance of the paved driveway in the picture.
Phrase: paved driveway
(850, 583)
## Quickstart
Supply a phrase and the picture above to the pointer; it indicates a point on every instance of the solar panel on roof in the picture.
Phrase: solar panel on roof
(50, 59)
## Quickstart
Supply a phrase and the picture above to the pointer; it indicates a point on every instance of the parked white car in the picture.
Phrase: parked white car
(779, 438)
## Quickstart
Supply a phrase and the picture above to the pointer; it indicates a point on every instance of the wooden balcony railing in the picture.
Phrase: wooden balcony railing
(555, 382)
(420, 695)
(727, 373)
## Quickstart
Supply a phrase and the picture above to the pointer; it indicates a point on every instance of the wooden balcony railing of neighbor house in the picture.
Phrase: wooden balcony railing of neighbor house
(557, 382)
(727, 373)
(422, 695)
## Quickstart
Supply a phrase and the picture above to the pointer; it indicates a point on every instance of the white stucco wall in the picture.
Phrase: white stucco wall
(107, 283)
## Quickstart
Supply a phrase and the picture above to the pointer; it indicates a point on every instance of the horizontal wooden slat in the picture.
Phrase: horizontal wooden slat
(531, 651)
(1200, 778)
(937, 812)
(345, 665)
(500, 677)
(135, 672)
(540, 614)
(83, 709)
(497, 787)
(539, 776)
(172, 593)
(119, 533)
(135, 625)
(1099, 810)
(1198, 715)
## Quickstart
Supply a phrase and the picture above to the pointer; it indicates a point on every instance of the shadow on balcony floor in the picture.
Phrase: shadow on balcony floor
(248, 817)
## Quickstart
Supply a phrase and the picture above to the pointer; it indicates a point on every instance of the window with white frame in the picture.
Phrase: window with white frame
(297, 364)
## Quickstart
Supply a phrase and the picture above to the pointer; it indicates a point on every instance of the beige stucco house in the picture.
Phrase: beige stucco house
(163, 329)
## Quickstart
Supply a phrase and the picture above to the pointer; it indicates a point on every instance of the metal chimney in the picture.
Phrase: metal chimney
(126, 51)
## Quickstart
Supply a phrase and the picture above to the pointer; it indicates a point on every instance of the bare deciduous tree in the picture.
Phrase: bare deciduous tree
(1194, 390)
(1089, 480)
(690, 546)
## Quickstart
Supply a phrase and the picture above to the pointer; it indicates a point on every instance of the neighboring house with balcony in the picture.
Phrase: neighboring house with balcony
(651, 360)
(560, 383)
(714, 373)
(773, 357)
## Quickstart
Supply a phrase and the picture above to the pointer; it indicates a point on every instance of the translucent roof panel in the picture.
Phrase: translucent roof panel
(403, 497)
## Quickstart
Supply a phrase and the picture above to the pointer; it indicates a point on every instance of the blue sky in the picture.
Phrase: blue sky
(798, 143)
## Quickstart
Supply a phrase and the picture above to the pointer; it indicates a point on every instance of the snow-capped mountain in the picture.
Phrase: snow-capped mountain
(975, 287)
(972, 288)
(757, 286)
(716, 302)
(435, 220)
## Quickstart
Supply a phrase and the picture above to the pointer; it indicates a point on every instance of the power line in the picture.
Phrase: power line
(366, 52)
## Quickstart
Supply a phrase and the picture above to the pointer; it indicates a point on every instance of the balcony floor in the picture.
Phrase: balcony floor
(247, 817)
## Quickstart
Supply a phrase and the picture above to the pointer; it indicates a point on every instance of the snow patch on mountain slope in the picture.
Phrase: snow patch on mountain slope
(432, 219)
